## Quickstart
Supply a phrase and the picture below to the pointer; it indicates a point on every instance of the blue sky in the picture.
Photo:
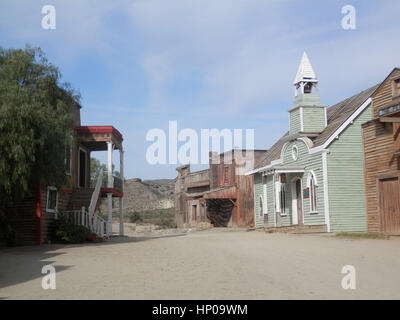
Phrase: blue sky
(204, 63)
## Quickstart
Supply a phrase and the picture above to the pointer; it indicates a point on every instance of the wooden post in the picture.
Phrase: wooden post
(121, 200)
(109, 220)
(109, 167)
(110, 184)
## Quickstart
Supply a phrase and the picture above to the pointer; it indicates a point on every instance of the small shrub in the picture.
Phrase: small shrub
(64, 231)
(135, 217)
(166, 223)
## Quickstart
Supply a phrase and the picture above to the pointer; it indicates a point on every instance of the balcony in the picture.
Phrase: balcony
(116, 183)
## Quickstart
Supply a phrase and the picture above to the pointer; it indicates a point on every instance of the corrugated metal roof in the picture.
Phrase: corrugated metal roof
(337, 115)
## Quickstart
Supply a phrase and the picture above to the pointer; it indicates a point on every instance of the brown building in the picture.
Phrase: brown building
(190, 206)
(382, 158)
(32, 217)
(221, 195)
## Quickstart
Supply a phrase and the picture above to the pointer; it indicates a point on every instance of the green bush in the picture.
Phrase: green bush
(166, 223)
(64, 231)
(135, 217)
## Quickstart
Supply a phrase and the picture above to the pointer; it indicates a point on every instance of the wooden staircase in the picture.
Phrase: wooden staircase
(80, 197)
(82, 207)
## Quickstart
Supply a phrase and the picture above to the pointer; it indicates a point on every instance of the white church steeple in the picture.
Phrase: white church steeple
(307, 115)
(305, 79)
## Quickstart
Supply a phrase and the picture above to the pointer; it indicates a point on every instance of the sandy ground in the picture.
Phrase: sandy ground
(212, 264)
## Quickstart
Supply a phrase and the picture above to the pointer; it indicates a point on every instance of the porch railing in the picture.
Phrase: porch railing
(116, 182)
(82, 217)
(96, 194)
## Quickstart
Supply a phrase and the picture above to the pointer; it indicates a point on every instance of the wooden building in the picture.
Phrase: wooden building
(33, 216)
(382, 158)
(312, 178)
(189, 202)
(221, 195)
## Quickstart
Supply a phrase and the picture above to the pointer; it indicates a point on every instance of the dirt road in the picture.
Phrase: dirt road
(213, 264)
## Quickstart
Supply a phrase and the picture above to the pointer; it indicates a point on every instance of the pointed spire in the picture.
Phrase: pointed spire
(305, 73)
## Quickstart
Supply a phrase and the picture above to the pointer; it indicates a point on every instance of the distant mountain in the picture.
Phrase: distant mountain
(145, 195)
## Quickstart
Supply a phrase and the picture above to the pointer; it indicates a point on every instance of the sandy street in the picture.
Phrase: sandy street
(213, 264)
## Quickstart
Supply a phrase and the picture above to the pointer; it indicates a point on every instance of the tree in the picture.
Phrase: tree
(95, 167)
(35, 123)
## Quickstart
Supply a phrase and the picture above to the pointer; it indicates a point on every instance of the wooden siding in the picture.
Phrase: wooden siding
(258, 191)
(313, 119)
(380, 158)
(383, 97)
(379, 163)
(245, 195)
(310, 162)
(346, 178)
(294, 118)
(23, 221)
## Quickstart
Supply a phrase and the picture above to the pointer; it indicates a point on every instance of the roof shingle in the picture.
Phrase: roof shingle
(337, 115)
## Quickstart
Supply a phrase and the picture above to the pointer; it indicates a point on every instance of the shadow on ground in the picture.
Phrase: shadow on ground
(22, 264)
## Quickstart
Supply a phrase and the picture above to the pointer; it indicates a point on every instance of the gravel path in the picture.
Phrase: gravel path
(212, 264)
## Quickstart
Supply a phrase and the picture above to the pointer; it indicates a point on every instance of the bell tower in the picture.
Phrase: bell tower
(307, 115)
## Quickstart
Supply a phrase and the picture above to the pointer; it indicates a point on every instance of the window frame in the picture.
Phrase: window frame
(49, 190)
(265, 194)
(226, 174)
(295, 153)
(261, 205)
(283, 199)
(312, 185)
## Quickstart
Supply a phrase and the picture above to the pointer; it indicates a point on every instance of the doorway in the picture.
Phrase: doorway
(389, 204)
(194, 213)
(82, 168)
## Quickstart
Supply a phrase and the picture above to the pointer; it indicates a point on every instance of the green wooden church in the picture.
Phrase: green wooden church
(313, 177)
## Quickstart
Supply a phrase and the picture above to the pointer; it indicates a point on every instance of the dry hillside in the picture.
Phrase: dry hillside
(148, 197)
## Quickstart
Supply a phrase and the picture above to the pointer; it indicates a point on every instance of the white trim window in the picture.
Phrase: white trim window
(312, 185)
(261, 206)
(295, 153)
(282, 198)
(52, 200)
(265, 195)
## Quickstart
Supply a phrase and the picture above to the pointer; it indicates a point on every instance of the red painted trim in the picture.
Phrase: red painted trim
(115, 193)
(38, 215)
(100, 129)
(65, 190)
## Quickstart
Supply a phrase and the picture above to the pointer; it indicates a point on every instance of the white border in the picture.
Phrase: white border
(51, 188)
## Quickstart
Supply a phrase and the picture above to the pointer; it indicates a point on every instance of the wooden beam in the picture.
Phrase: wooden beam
(389, 119)
(233, 202)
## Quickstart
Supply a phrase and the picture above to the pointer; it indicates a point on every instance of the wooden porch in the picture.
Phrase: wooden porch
(108, 184)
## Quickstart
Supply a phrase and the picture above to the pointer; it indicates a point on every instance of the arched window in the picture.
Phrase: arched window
(312, 185)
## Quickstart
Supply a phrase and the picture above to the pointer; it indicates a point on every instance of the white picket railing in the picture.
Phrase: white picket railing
(82, 217)
(88, 218)
(96, 193)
